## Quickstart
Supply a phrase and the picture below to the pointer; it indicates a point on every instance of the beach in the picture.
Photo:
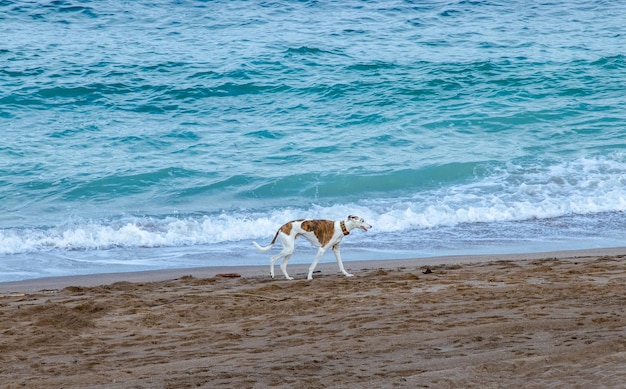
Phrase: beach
(147, 145)
(524, 320)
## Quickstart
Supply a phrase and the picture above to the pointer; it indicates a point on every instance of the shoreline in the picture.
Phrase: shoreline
(298, 271)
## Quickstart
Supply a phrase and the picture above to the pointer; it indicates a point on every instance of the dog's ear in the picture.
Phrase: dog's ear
(353, 217)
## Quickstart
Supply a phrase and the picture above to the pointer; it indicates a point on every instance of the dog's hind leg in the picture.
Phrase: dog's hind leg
(320, 252)
(339, 262)
(286, 252)
(272, 261)
(283, 266)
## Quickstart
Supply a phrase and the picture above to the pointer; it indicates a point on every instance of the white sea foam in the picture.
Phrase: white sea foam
(583, 187)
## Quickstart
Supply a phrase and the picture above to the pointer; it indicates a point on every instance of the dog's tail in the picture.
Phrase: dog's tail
(269, 246)
(261, 248)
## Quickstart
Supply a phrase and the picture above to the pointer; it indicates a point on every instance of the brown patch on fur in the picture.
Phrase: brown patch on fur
(323, 229)
(286, 228)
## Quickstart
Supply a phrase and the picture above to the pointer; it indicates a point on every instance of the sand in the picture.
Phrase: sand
(548, 321)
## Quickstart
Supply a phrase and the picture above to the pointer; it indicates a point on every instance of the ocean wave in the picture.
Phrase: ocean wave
(508, 193)
(131, 232)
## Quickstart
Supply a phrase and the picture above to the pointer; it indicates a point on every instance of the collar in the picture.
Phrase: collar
(343, 228)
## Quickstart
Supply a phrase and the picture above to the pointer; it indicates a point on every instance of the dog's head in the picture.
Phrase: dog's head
(358, 222)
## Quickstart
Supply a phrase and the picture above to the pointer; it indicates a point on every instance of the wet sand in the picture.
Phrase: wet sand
(548, 321)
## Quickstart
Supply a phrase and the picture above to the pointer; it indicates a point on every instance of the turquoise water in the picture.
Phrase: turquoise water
(144, 135)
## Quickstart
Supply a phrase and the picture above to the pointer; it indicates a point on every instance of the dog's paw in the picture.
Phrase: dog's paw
(349, 275)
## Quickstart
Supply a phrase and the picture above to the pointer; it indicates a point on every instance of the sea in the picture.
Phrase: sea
(139, 135)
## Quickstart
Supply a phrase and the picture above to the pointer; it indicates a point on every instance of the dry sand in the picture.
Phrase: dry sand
(557, 321)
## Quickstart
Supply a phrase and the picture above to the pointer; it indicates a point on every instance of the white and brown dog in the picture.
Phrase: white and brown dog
(321, 233)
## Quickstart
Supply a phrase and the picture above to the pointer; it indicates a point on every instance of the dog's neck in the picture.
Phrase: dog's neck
(343, 228)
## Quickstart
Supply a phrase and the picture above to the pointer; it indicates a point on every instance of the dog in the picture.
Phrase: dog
(321, 233)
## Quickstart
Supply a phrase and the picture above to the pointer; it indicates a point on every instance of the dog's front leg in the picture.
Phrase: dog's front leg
(320, 252)
(339, 262)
